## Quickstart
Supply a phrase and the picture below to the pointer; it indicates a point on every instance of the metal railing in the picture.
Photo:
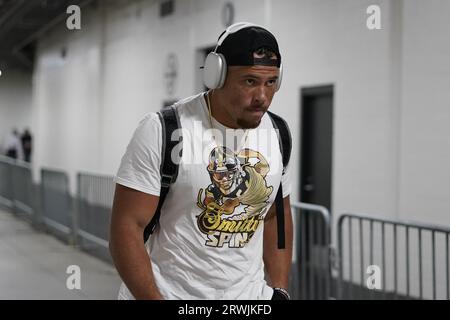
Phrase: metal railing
(95, 197)
(83, 220)
(24, 202)
(6, 190)
(413, 258)
(16, 187)
(57, 209)
(311, 276)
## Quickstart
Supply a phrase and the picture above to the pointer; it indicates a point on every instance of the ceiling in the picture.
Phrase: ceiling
(21, 22)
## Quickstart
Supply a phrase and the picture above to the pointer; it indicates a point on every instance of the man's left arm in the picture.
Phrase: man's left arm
(278, 261)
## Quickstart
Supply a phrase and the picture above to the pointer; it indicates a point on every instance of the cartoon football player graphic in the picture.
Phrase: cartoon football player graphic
(235, 200)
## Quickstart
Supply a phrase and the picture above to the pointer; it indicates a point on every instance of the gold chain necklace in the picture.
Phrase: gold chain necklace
(211, 126)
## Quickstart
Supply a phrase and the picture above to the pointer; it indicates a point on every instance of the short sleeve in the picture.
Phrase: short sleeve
(140, 165)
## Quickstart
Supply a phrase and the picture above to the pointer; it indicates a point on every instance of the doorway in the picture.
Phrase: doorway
(316, 145)
(316, 137)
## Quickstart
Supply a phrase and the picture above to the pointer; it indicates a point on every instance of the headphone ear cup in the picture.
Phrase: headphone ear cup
(280, 77)
(214, 70)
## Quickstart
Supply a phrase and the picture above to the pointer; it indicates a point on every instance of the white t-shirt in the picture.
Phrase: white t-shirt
(209, 242)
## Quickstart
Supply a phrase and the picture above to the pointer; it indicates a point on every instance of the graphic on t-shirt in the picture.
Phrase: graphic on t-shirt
(235, 202)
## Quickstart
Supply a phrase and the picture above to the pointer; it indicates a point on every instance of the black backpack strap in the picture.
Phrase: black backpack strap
(169, 170)
(284, 137)
(285, 141)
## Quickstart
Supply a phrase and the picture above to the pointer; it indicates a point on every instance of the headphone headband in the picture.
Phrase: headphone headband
(235, 28)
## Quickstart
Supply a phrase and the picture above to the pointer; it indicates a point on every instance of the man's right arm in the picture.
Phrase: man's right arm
(132, 211)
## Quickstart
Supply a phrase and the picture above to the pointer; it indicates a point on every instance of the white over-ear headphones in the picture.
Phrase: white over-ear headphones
(215, 68)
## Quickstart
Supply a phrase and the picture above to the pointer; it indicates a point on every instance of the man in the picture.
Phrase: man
(217, 233)
(13, 146)
(27, 144)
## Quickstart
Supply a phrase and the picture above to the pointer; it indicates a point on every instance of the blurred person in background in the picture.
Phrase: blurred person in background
(13, 146)
(27, 144)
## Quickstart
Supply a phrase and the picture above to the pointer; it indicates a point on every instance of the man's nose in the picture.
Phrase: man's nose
(260, 94)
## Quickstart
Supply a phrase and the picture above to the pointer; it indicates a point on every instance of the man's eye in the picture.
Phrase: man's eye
(250, 82)
(271, 82)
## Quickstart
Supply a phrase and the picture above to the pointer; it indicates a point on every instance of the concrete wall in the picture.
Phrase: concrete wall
(425, 128)
(15, 103)
(331, 45)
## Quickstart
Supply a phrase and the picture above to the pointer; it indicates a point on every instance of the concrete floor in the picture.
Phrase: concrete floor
(33, 265)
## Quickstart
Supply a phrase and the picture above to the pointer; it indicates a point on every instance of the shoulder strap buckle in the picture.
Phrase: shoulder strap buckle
(166, 180)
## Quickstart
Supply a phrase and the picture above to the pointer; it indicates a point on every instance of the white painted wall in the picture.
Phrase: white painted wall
(66, 101)
(331, 45)
(425, 127)
(15, 103)
(87, 106)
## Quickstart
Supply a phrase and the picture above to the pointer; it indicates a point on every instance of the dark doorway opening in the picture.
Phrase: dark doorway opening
(315, 187)
(316, 145)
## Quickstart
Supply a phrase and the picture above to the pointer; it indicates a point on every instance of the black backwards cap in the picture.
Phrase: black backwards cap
(238, 47)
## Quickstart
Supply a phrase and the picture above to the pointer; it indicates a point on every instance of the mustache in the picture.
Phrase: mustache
(258, 107)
